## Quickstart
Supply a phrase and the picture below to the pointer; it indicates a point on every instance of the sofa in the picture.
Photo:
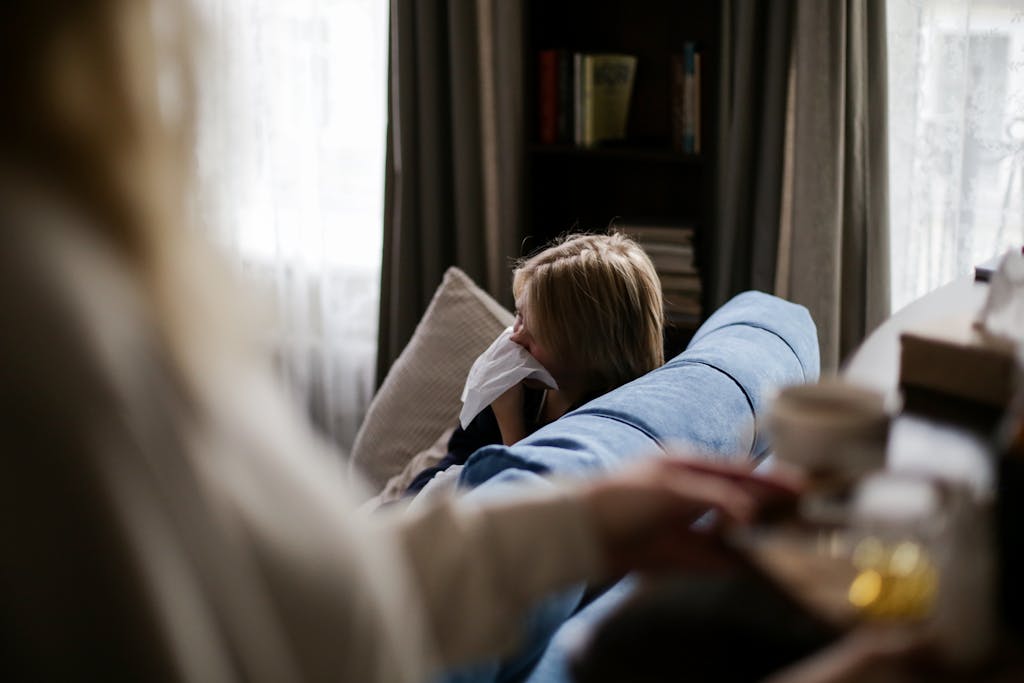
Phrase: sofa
(710, 401)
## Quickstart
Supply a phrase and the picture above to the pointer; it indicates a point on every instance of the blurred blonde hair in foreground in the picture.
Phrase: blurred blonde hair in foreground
(99, 102)
(136, 410)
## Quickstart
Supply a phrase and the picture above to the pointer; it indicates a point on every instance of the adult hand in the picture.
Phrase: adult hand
(644, 514)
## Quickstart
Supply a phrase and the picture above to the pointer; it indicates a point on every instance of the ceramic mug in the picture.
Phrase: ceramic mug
(830, 428)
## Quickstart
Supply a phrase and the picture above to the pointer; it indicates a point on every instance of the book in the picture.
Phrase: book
(667, 264)
(669, 250)
(649, 233)
(676, 304)
(577, 98)
(604, 93)
(555, 107)
(547, 96)
(696, 103)
(669, 245)
(684, 284)
(685, 98)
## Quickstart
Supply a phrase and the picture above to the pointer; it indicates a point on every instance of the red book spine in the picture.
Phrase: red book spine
(547, 96)
(565, 98)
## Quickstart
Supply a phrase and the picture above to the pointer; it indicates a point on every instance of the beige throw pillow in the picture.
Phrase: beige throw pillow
(419, 397)
(395, 488)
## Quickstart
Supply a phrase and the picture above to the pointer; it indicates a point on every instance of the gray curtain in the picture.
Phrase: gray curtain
(756, 48)
(834, 246)
(803, 207)
(453, 189)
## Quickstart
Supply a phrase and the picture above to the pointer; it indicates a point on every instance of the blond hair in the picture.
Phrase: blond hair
(84, 115)
(99, 113)
(595, 301)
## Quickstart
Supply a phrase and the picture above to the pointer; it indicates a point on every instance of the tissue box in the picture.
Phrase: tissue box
(952, 357)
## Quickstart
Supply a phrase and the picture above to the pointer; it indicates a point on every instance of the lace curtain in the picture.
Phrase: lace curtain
(956, 126)
(292, 125)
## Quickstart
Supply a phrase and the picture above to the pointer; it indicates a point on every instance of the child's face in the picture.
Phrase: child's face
(521, 335)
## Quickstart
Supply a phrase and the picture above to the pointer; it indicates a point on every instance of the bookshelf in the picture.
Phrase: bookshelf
(643, 176)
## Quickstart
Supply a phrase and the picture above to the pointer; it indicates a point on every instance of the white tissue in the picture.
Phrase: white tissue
(1003, 312)
(503, 365)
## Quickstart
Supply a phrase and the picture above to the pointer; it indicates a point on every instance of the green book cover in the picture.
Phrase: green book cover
(607, 88)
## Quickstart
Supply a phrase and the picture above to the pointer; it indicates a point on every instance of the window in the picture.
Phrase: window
(956, 138)
(292, 114)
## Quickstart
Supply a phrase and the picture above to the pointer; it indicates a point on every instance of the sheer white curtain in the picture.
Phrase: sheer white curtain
(956, 126)
(292, 125)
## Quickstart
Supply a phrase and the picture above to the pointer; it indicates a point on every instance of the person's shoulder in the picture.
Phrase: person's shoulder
(52, 256)
(68, 304)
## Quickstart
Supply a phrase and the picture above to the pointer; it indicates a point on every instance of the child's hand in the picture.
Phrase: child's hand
(508, 409)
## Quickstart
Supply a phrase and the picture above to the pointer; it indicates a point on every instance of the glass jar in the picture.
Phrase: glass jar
(923, 552)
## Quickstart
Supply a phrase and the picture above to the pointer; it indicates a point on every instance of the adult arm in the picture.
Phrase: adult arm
(479, 567)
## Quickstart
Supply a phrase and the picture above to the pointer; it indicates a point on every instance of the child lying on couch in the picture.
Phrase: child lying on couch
(589, 311)
(592, 316)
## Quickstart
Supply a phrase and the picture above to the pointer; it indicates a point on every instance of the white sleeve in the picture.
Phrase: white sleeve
(394, 597)
(479, 568)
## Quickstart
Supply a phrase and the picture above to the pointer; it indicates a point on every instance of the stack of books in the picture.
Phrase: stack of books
(670, 246)
(583, 99)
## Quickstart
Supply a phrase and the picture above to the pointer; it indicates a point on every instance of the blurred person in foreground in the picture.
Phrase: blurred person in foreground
(167, 515)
